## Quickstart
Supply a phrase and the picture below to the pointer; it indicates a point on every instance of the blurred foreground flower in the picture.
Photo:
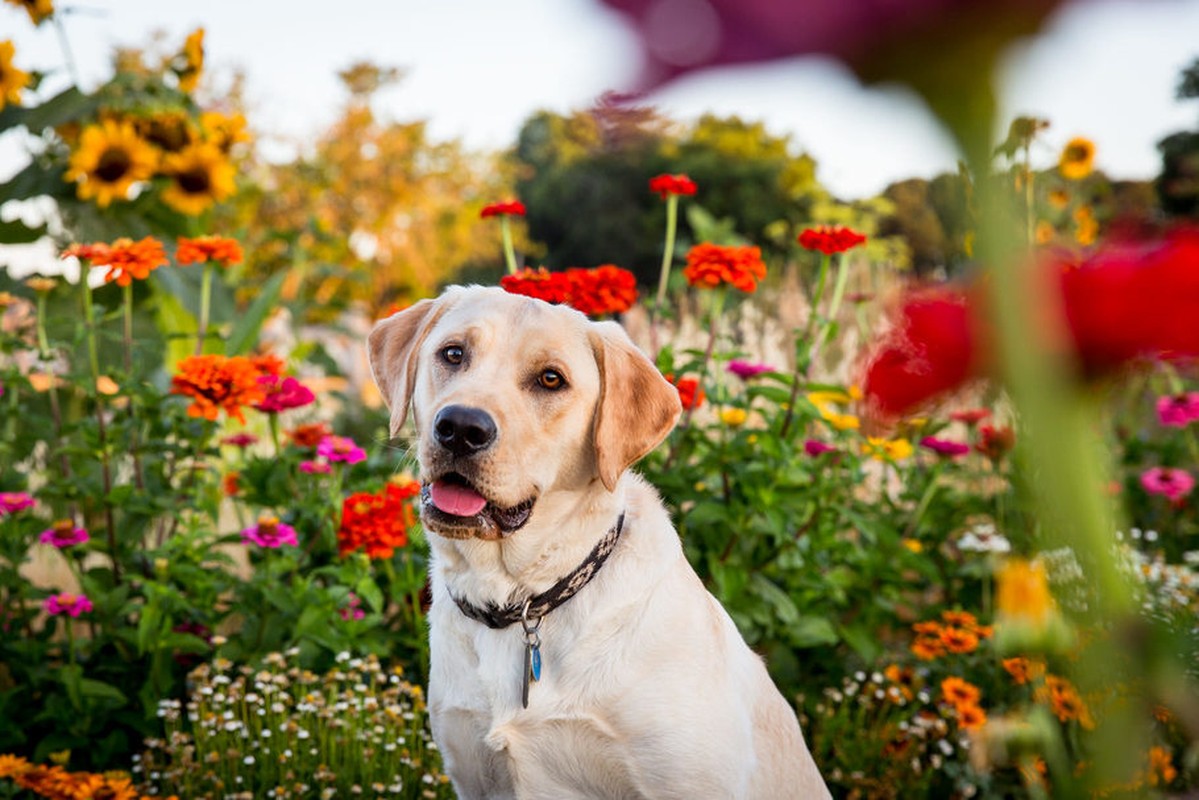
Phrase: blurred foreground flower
(38, 10)
(12, 80)
(1077, 159)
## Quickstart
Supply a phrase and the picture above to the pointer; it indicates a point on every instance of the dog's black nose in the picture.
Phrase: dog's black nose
(463, 430)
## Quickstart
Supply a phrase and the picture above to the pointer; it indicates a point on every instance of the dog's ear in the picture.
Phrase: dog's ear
(637, 406)
(392, 347)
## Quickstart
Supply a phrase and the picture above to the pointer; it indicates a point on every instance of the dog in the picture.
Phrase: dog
(574, 651)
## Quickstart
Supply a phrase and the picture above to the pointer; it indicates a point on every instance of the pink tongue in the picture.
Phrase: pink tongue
(453, 498)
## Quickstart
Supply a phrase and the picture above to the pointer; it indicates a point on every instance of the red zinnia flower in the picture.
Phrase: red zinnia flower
(552, 287)
(831, 239)
(666, 185)
(225, 252)
(607, 289)
(309, 435)
(711, 265)
(691, 394)
(510, 207)
(930, 351)
(970, 416)
(995, 442)
(379, 522)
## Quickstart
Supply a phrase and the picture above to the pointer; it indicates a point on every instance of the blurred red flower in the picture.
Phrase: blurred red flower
(507, 208)
(995, 442)
(831, 239)
(606, 289)
(552, 287)
(712, 265)
(666, 185)
(691, 394)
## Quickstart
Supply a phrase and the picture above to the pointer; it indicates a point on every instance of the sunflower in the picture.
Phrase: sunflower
(224, 130)
(169, 131)
(12, 80)
(1077, 159)
(193, 56)
(111, 157)
(200, 176)
(38, 10)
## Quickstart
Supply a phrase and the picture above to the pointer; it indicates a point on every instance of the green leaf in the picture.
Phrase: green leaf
(813, 632)
(173, 316)
(72, 677)
(249, 324)
(784, 606)
(65, 106)
(369, 591)
(862, 641)
(100, 690)
(33, 181)
(17, 232)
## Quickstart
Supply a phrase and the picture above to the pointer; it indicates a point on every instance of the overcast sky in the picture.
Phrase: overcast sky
(477, 68)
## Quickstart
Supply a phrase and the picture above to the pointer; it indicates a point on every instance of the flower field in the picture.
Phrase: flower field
(953, 508)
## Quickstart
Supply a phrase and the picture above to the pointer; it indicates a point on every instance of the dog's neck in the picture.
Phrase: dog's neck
(563, 530)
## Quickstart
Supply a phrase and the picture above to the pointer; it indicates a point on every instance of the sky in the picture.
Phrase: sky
(475, 69)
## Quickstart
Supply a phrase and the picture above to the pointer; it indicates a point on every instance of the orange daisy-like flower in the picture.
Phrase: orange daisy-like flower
(959, 692)
(971, 717)
(12, 80)
(712, 265)
(125, 259)
(218, 249)
(377, 523)
(1161, 766)
(904, 679)
(216, 382)
(960, 619)
(11, 766)
(309, 435)
(927, 628)
(1023, 670)
(927, 648)
(1064, 701)
(959, 640)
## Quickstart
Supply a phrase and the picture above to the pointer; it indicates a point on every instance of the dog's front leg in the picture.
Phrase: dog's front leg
(477, 769)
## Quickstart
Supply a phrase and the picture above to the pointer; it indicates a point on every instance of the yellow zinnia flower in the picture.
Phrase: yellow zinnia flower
(1077, 159)
(733, 416)
(12, 80)
(200, 176)
(110, 159)
(193, 55)
(881, 449)
(38, 10)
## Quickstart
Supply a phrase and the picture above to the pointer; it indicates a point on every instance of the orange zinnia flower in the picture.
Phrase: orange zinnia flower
(958, 640)
(1065, 701)
(962, 619)
(309, 435)
(959, 692)
(1161, 766)
(971, 717)
(216, 382)
(1023, 670)
(712, 265)
(927, 648)
(126, 259)
(222, 251)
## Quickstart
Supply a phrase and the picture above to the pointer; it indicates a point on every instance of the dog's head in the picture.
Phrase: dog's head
(512, 399)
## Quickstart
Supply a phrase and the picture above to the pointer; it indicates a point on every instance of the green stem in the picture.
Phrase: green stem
(43, 342)
(89, 317)
(273, 420)
(672, 222)
(127, 293)
(926, 499)
(509, 250)
(66, 621)
(67, 55)
(205, 301)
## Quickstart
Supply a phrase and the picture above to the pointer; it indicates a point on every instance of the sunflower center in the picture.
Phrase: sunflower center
(1077, 153)
(113, 165)
(194, 181)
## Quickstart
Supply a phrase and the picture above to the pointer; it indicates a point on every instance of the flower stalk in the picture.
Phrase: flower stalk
(672, 223)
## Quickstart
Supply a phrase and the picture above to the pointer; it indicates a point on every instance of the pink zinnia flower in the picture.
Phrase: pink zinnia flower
(945, 447)
(12, 502)
(282, 394)
(745, 370)
(63, 534)
(340, 448)
(65, 603)
(315, 467)
(270, 533)
(1178, 410)
(243, 439)
(817, 448)
(1168, 481)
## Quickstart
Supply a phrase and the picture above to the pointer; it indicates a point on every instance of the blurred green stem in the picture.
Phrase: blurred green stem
(89, 316)
(672, 223)
(205, 302)
(926, 499)
(509, 249)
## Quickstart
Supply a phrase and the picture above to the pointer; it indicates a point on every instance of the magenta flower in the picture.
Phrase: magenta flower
(63, 534)
(243, 439)
(1178, 410)
(340, 448)
(12, 502)
(817, 448)
(315, 467)
(353, 610)
(65, 603)
(945, 447)
(282, 394)
(1168, 481)
(270, 533)
(745, 370)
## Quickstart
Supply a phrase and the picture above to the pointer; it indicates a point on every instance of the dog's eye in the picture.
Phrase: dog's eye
(551, 379)
(452, 354)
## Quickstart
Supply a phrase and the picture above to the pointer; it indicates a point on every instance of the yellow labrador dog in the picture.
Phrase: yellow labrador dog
(575, 653)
